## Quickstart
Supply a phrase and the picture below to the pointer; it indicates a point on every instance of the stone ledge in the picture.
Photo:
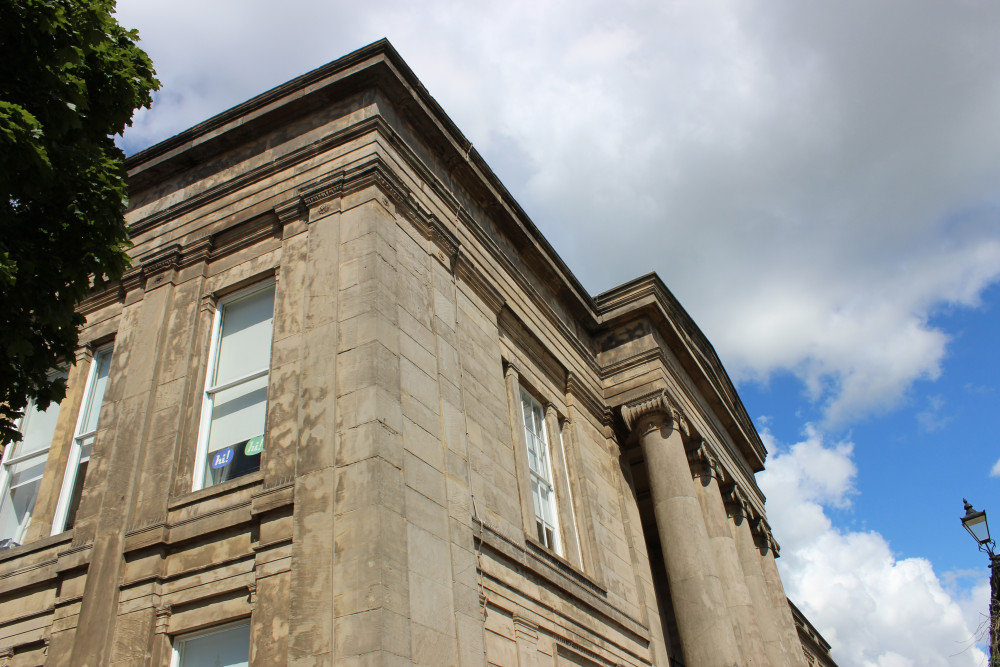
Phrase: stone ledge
(37, 545)
(562, 575)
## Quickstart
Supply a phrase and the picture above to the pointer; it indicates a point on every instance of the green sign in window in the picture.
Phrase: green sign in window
(254, 446)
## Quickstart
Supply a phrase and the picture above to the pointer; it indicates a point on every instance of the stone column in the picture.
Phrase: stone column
(706, 634)
(739, 604)
(753, 576)
(768, 548)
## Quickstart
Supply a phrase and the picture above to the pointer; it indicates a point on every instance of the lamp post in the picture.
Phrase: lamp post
(975, 522)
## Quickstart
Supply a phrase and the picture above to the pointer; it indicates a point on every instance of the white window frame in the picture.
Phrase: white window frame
(542, 477)
(73, 460)
(9, 461)
(208, 397)
(177, 643)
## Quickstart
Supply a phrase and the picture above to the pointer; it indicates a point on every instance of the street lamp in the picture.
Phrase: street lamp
(975, 522)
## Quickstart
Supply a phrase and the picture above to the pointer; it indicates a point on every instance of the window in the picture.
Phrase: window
(83, 443)
(21, 471)
(235, 404)
(217, 647)
(540, 468)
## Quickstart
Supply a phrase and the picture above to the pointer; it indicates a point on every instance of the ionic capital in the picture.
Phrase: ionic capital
(655, 402)
(736, 502)
(764, 537)
(703, 461)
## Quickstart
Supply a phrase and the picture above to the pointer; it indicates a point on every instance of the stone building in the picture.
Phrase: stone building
(348, 406)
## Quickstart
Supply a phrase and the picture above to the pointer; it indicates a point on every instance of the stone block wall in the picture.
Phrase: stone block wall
(391, 521)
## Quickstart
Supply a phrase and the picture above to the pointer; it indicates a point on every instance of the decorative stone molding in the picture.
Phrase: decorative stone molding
(162, 612)
(443, 238)
(252, 591)
(6, 656)
(255, 175)
(197, 252)
(625, 334)
(525, 629)
(208, 304)
(657, 401)
(510, 369)
(314, 194)
(586, 398)
(291, 210)
(132, 280)
(84, 354)
(470, 274)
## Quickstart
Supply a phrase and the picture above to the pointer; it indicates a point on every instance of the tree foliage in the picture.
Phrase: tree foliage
(70, 78)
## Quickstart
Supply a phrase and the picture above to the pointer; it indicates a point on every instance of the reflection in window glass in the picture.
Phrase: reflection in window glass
(83, 443)
(542, 491)
(227, 647)
(236, 392)
(21, 471)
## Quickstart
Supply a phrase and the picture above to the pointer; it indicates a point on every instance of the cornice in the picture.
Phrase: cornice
(587, 399)
(379, 68)
(469, 273)
(246, 178)
(648, 294)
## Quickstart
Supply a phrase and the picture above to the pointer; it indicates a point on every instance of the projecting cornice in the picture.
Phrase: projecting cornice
(375, 78)
(624, 312)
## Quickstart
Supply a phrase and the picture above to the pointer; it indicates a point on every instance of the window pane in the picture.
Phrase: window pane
(533, 461)
(245, 345)
(238, 414)
(76, 492)
(228, 648)
(92, 406)
(19, 497)
(37, 428)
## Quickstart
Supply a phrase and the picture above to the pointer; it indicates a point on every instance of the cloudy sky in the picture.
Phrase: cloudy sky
(818, 183)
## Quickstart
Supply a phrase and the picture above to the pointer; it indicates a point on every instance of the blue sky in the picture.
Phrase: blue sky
(818, 183)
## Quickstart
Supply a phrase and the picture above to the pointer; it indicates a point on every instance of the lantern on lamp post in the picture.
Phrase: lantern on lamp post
(975, 522)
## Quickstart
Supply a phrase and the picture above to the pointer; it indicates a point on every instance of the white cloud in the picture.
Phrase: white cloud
(873, 608)
(995, 470)
(812, 181)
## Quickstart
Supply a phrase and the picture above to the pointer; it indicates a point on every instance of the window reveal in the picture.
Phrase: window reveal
(235, 402)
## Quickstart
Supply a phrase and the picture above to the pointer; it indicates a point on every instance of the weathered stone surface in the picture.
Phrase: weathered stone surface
(393, 518)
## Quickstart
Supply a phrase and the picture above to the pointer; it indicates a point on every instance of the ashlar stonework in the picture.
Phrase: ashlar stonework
(349, 407)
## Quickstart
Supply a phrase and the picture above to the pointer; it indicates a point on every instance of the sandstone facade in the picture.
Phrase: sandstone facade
(355, 410)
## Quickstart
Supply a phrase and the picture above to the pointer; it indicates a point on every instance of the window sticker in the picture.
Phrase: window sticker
(255, 445)
(222, 458)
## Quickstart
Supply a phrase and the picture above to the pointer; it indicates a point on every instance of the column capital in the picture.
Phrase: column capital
(703, 461)
(654, 402)
(736, 501)
(764, 537)
(509, 369)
